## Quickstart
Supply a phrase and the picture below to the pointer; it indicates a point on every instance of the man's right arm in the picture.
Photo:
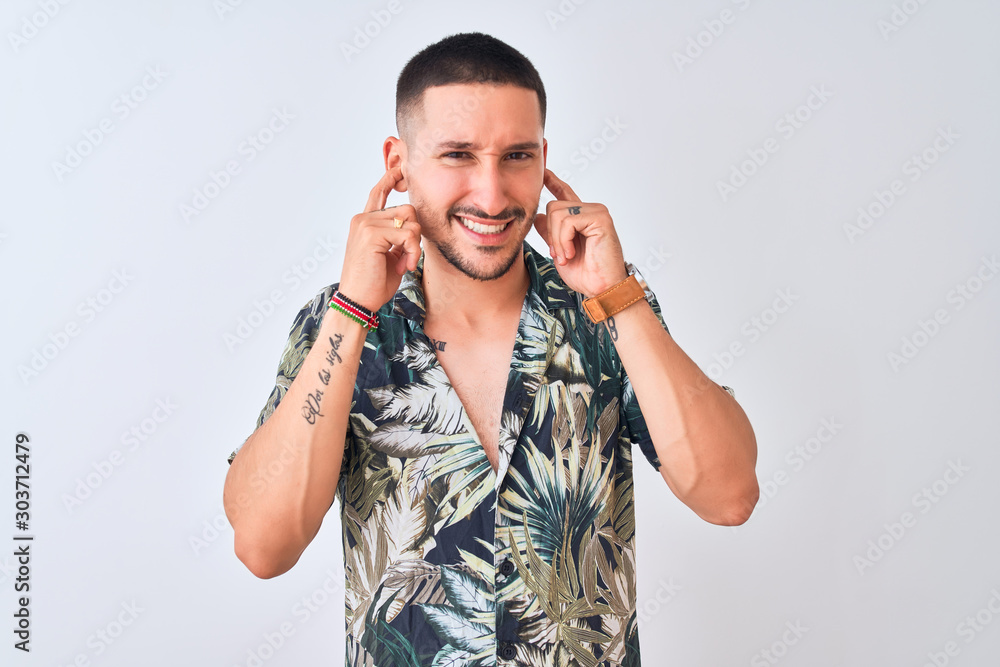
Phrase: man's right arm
(284, 478)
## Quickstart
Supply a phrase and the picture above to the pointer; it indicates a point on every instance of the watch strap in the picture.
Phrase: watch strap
(613, 300)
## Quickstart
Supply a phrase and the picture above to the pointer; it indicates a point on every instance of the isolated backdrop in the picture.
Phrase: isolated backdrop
(810, 189)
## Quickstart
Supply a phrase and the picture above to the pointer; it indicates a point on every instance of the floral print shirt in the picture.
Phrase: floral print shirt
(450, 564)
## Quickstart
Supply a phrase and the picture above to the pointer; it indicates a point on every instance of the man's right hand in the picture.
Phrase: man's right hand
(378, 254)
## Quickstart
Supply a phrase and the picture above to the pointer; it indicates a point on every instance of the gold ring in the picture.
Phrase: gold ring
(398, 223)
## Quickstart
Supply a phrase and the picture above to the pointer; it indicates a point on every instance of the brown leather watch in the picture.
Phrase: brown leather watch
(619, 297)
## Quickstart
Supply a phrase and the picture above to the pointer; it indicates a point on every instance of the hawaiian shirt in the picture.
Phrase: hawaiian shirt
(449, 563)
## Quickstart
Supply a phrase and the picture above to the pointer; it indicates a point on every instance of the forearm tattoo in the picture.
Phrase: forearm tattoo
(437, 344)
(311, 409)
(333, 356)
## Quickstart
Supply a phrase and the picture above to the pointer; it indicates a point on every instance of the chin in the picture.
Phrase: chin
(482, 263)
(498, 260)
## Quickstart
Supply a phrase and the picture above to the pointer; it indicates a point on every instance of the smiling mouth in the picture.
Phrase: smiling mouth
(480, 228)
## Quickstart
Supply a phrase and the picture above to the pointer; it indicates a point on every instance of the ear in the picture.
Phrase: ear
(545, 152)
(394, 152)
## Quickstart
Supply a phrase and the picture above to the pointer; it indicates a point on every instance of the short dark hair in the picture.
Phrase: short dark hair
(471, 57)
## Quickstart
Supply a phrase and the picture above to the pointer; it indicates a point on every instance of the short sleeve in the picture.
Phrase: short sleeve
(635, 423)
(301, 337)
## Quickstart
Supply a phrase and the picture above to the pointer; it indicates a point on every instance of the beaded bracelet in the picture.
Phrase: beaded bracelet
(353, 310)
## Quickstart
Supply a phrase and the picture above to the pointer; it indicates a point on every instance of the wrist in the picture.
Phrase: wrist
(613, 300)
(359, 295)
(351, 309)
(616, 279)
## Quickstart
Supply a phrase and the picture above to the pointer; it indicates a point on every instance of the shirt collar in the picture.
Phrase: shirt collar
(552, 292)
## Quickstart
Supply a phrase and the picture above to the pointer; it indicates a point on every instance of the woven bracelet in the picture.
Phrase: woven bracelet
(353, 310)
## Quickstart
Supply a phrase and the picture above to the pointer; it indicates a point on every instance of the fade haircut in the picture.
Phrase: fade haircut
(471, 57)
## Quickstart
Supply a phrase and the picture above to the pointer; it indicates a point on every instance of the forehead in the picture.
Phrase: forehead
(482, 108)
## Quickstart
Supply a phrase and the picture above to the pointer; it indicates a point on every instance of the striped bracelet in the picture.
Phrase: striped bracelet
(353, 310)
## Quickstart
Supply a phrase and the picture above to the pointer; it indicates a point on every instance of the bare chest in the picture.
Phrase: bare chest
(478, 371)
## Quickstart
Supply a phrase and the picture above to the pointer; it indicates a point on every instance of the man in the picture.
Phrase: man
(454, 394)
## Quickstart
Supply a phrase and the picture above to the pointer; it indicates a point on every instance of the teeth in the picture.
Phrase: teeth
(482, 229)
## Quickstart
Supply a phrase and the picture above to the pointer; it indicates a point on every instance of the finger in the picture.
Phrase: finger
(542, 227)
(405, 263)
(559, 188)
(566, 235)
(380, 193)
(561, 233)
(397, 258)
(407, 241)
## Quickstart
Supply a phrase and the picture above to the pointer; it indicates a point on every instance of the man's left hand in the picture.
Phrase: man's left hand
(582, 240)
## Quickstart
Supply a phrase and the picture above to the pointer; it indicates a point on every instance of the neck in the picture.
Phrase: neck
(451, 295)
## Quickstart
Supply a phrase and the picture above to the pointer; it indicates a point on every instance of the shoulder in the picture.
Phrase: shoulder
(305, 326)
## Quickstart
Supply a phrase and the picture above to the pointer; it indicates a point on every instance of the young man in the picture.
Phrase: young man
(473, 404)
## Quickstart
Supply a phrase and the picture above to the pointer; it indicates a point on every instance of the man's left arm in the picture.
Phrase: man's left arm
(702, 437)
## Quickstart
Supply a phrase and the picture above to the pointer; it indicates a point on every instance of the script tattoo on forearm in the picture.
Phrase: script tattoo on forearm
(311, 409)
(332, 356)
(574, 210)
(612, 329)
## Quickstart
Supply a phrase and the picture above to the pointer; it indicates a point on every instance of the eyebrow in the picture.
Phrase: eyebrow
(466, 145)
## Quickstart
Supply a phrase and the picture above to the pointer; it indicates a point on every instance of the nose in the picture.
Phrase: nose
(487, 189)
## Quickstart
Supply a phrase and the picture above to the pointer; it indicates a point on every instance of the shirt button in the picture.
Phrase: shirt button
(507, 568)
(507, 651)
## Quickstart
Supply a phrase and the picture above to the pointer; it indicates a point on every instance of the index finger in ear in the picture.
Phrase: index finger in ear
(380, 193)
(559, 188)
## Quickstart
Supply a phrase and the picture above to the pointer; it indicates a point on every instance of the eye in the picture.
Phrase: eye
(455, 154)
(522, 154)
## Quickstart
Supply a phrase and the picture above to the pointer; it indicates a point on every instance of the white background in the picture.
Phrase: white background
(810, 557)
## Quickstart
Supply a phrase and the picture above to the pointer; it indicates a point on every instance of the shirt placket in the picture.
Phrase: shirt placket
(522, 386)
